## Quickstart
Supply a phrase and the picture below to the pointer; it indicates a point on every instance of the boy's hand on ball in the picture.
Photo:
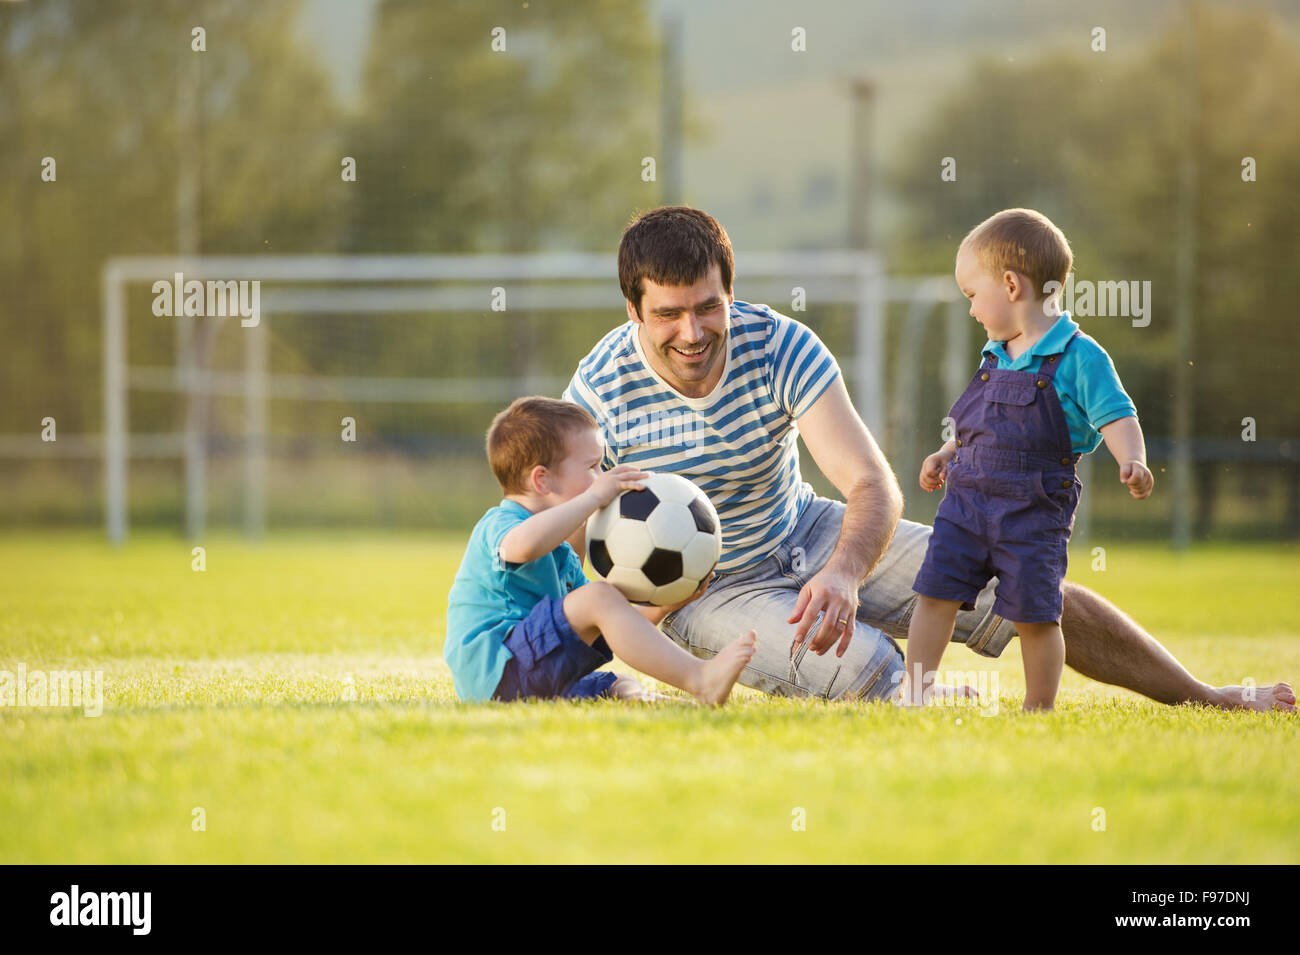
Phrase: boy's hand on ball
(934, 471)
(612, 483)
(1138, 477)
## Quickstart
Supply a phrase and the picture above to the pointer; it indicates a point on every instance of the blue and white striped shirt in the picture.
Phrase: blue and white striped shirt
(739, 444)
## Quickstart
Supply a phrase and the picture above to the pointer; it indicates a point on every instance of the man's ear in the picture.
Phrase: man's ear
(539, 479)
(632, 313)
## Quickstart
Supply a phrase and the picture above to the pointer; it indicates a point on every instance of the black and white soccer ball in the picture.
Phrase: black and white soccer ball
(656, 545)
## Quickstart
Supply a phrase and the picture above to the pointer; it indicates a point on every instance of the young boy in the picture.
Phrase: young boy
(523, 621)
(1045, 395)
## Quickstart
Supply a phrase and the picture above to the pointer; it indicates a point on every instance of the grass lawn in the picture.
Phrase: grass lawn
(292, 698)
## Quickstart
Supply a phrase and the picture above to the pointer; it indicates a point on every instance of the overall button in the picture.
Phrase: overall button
(1041, 383)
(1053, 358)
(1065, 460)
(984, 377)
(1065, 484)
(959, 442)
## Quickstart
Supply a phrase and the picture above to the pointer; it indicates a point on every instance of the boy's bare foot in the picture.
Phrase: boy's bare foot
(720, 674)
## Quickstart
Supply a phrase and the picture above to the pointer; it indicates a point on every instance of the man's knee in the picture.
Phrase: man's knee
(880, 678)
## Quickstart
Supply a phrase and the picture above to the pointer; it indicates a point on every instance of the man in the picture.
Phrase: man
(719, 391)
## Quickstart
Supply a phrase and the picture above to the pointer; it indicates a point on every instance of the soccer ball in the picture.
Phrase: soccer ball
(656, 545)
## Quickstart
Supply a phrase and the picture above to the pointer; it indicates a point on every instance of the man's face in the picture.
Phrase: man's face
(683, 330)
(990, 303)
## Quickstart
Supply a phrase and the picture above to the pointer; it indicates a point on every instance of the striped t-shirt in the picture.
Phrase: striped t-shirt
(739, 444)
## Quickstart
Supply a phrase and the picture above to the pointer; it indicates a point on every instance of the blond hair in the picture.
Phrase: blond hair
(1024, 241)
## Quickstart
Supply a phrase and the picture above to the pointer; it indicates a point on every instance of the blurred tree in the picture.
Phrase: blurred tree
(496, 127)
(95, 85)
(1094, 144)
(464, 148)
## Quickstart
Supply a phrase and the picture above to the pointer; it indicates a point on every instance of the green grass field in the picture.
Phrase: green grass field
(295, 694)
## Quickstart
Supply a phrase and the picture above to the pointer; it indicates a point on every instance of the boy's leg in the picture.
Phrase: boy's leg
(927, 636)
(1043, 649)
(598, 609)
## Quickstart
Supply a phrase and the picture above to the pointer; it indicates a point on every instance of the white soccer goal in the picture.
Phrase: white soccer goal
(445, 285)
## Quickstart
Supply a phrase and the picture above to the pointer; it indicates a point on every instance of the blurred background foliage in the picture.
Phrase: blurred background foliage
(460, 149)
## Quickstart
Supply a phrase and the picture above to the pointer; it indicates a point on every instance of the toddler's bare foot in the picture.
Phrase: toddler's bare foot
(942, 693)
(720, 674)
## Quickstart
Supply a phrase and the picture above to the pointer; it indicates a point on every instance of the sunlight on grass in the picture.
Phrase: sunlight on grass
(294, 693)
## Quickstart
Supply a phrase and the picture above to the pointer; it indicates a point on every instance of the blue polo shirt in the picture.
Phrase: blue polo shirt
(490, 595)
(1087, 383)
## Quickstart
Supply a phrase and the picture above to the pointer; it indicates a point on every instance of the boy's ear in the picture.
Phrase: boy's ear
(1015, 285)
(539, 479)
(632, 312)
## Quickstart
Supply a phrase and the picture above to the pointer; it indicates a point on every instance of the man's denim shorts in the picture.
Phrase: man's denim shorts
(762, 598)
(550, 661)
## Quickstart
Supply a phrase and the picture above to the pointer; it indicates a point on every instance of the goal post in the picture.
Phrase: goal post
(433, 285)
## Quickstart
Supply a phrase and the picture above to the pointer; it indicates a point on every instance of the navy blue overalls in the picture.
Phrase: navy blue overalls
(1011, 495)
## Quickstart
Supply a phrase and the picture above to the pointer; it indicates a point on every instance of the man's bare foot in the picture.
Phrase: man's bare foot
(720, 674)
(1261, 699)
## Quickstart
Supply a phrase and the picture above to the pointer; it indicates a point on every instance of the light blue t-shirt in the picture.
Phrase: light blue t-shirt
(1087, 383)
(489, 596)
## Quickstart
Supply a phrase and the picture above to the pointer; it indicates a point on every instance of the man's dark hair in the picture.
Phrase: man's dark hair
(672, 245)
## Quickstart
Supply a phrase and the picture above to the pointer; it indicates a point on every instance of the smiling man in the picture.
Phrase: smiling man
(811, 575)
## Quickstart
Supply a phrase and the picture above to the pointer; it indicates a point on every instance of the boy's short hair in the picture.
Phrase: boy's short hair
(530, 432)
(672, 245)
(1024, 241)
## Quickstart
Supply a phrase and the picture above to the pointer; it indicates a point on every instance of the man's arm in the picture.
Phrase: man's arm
(850, 458)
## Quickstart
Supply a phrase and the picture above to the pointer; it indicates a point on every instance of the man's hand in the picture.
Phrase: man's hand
(699, 592)
(612, 483)
(834, 595)
(656, 614)
(1138, 477)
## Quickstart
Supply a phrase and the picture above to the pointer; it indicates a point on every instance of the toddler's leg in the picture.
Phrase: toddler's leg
(598, 609)
(927, 636)
(1043, 649)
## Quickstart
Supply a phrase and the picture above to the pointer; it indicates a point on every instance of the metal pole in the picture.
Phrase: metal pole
(860, 168)
(188, 338)
(255, 362)
(1185, 314)
(671, 120)
(868, 364)
(115, 435)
